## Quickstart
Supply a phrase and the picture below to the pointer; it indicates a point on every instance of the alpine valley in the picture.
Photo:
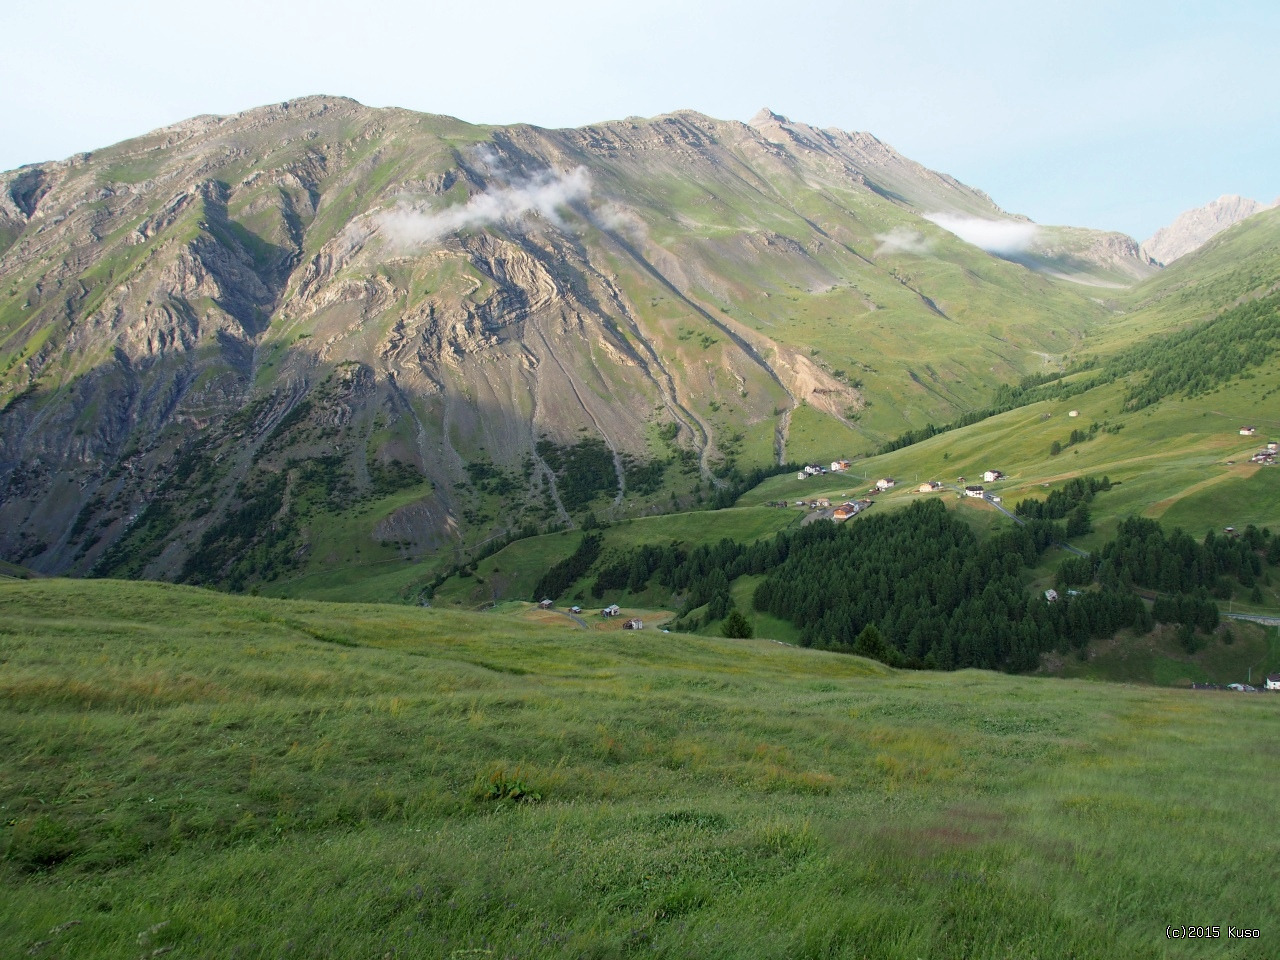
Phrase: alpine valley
(468, 330)
(388, 399)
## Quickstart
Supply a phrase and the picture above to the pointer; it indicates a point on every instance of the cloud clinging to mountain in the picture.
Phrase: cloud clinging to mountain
(543, 194)
(903, 240)
(994, 236)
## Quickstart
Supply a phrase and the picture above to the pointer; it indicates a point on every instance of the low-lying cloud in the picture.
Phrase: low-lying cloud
(543, 194)
(903, 240)
(995, 236)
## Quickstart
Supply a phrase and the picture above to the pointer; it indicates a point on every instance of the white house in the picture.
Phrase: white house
(1273, 681)
(974, 491)
(635, 623)
(839, 466)
(1248, 431)
(992, 475)
(886, 483)
(611, 611)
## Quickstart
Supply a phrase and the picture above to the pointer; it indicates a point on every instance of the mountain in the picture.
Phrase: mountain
(316, 334)
(1193, 228)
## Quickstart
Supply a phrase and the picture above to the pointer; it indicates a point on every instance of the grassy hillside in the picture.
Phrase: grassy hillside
(240, 776)
(1241, 262)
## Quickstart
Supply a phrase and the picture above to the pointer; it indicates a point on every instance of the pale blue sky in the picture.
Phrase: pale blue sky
(1101, 114)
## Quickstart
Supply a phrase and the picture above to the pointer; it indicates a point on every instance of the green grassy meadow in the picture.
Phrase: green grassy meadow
(1171, 460)
(235, 776)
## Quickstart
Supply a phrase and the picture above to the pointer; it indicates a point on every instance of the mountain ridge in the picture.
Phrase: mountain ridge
(658, 305)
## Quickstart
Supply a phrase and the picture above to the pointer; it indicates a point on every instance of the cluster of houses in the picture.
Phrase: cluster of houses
(1267, 456)
(887, 483)
(613, 610)
(817, 469)
(1272, 683)
(850, 509)
(843, 512)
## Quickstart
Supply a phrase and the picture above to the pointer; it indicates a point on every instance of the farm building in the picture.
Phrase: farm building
(931, 487)
(635, 623)
(850, 509)
(886, 483)
(611, 611)
(973, 490)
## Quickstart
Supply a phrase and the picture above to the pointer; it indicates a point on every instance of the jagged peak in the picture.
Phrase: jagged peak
(766, 116)
(1193, 228)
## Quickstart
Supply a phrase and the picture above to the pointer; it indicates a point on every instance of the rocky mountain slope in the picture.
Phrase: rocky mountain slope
(1194, 228)
(316, 333)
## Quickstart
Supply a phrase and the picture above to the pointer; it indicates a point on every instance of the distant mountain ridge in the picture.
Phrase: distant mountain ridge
(316, 333)
(1193, 228)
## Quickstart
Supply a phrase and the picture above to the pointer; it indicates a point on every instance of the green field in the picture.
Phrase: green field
(235, 776)
(1171, 460)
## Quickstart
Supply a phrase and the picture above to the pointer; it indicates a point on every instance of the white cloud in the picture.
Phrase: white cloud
(994, 236)
(542, 194)
(903, 240)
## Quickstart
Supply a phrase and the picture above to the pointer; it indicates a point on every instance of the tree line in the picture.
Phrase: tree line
(918, 588)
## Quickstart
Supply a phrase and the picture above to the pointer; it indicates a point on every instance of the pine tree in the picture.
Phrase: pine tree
(736, 626)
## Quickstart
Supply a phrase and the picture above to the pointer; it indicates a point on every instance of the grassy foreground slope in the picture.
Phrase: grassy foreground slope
(251, 777)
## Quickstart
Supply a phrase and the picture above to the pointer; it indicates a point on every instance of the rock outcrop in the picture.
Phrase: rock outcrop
(1194, 228)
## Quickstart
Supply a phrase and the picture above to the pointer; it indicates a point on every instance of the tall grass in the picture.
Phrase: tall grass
(234, 776)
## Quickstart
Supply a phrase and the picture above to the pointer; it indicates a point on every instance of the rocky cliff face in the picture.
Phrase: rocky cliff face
(315, 333)
(1194, 228)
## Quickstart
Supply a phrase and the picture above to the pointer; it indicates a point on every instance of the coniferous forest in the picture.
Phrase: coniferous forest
(918, 588)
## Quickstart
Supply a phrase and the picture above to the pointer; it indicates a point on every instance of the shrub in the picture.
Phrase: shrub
(736, 626)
